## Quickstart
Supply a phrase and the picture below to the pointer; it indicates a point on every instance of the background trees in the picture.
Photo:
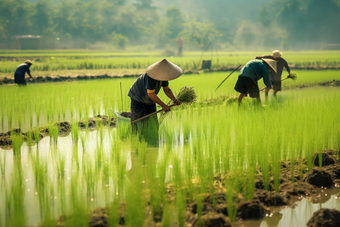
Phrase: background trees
(157, 24)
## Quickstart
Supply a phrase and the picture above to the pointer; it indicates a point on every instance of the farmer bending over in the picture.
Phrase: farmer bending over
(143, 92)
(253, 71)
(275, 77)
(19, 75)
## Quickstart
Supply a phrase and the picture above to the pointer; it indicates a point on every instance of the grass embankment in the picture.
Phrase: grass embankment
(73, 63)
(196, 143)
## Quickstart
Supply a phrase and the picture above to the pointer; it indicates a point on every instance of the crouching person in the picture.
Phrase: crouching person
(253, 71)
(143, 94)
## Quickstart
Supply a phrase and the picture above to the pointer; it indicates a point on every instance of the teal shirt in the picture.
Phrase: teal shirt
(255, 70)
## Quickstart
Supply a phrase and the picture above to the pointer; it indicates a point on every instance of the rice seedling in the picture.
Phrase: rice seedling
(181, 206)
(75, 132)
(17, 141)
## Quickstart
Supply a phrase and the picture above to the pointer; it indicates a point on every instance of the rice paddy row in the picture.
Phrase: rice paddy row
(72, 175)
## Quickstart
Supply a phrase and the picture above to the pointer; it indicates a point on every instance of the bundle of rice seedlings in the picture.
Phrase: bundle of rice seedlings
(186, 95)
(293, 76)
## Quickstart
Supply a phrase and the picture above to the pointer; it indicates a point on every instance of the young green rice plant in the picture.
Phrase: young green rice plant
(17, 141)
(199, 208)
(89, 177)
(114, 217)
(17, 192)
(177, 172)
(99, 157)
(135, 204)
(75, 132)
(181, 206)
(36, 134)
(54, 132)
(83, 138)
(61, 161)
(29, 138)
(232, 191)
(3, 165)
(75, 156)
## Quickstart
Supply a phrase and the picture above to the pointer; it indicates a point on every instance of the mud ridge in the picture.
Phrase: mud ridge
(49, 79)
(64, 128)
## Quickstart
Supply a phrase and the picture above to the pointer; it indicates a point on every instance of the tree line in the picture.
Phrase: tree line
(79, 24)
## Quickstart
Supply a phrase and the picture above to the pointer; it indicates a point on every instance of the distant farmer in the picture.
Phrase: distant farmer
(19, 75)
(275, 77)
(143, 92)
(180, 45)
(253, 71)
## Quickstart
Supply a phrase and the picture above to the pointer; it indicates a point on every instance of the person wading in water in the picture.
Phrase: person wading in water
(143, 94)
(19, 75)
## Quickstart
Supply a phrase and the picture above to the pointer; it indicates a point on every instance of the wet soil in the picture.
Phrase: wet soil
(308, 183)
(325, 217)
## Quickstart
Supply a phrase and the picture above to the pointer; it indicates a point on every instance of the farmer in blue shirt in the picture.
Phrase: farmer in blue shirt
(143, 92)
(19, 75)
(253, 71)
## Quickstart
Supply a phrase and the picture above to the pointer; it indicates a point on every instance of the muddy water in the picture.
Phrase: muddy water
(300, 214)
(68, 151)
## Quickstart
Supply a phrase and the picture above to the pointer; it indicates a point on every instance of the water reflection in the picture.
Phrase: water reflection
(69, 158)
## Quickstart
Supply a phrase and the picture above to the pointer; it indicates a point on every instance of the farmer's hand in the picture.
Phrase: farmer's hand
(177, 102)
(166, 108)
(288, 76)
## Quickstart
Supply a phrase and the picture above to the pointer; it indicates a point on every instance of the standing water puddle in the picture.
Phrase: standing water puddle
(66, 154)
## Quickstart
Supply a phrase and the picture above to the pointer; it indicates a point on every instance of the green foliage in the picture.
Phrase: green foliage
(119, 40)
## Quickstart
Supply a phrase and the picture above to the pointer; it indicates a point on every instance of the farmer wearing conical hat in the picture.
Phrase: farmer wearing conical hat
(275, 77)
(253, 71)
(19, 75)
(143, 92)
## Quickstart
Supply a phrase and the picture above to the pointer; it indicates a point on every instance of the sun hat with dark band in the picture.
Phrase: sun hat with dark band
(164, 71)
(272, 64)
(28, 62)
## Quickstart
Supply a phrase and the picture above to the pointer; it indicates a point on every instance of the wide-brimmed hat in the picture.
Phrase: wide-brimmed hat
(28, 62)
(164, 71)
(277, 54)
(272, 64)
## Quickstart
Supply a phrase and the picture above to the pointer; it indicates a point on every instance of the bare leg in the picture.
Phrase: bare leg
(275, 91)
(266, 91)
(240, 97)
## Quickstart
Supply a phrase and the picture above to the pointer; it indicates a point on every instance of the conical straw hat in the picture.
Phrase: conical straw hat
(164, 71)
(277, 54)
(28, 62)
(272, 63)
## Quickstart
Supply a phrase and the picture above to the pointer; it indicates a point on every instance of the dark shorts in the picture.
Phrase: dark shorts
(19, 79)
(139, 109)
(146, 128)
(276, 85)
(246, 85)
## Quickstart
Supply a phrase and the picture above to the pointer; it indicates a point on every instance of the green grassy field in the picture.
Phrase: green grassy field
(112, 63)
(42, 181)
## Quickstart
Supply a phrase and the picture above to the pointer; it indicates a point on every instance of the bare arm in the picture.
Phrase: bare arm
(152, 95)
(171, 96)
(287, 67)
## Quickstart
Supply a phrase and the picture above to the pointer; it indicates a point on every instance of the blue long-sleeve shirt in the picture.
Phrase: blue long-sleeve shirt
(255, 70)
(22, 69)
